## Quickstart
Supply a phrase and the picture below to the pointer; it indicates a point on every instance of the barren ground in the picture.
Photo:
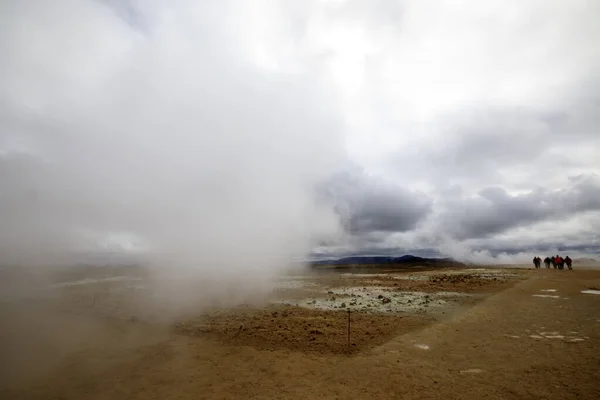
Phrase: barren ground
(444, 334)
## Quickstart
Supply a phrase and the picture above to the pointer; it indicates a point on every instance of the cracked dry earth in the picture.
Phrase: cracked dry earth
(527, 334)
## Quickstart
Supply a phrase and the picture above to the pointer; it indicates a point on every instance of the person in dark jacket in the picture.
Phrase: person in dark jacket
(547, 262)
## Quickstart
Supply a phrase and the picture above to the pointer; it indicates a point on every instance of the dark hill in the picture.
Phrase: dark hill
(406, 260)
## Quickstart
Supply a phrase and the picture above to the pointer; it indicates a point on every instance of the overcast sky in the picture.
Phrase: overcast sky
(456, 128)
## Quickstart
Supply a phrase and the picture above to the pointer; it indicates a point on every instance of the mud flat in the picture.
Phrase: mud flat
(480, 333)
(310, 313)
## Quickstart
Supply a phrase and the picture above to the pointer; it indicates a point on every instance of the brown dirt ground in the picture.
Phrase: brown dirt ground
(298, 329)
(493, 349)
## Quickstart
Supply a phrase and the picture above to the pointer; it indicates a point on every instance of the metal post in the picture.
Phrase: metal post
(348, 327)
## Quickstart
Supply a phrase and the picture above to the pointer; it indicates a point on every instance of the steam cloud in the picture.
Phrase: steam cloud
(150, 128)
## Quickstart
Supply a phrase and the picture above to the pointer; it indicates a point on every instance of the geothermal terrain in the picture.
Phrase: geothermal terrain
(323, 333)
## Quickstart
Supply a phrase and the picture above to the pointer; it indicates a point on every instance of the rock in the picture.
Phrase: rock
(343, 305)
(380, 296)
(386, 300)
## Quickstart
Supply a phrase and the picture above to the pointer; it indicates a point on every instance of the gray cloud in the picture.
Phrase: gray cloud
(479, 145)
(370, 204)
(494, 211)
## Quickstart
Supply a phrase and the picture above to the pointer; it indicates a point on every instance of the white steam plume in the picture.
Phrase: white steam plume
(151, 123)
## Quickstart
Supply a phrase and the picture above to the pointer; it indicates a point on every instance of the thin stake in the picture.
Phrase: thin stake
(348, 327)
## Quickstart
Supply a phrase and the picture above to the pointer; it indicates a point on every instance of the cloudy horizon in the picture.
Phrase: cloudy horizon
(272, 130)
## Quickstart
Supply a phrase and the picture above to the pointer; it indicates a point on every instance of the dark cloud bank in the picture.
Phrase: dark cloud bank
(373, 211)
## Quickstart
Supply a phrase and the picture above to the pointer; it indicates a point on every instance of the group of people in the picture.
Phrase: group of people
(557, 262)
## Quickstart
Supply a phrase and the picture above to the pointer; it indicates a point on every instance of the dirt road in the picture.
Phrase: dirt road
(537, 338)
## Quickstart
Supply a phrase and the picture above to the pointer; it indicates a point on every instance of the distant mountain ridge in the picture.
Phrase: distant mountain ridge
(383, 260)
